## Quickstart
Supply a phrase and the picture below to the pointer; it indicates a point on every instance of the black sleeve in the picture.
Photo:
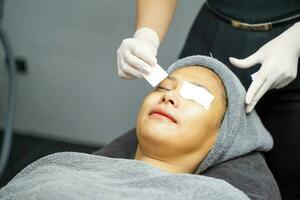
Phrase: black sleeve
(249, 173)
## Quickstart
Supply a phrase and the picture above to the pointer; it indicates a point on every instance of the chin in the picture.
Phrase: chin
(157, 131)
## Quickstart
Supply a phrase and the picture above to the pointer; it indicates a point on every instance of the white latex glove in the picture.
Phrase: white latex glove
(279, 62)
(137, 55)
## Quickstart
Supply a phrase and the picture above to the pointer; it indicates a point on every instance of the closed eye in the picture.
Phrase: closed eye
(162, 88)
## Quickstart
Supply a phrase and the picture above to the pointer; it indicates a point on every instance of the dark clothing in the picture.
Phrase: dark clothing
(249, 173)
(211, 34)
(256, 11)
(280, 113)
(278, 109)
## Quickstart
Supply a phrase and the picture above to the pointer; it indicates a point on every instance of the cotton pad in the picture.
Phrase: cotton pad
(156, 75)
(190, 91)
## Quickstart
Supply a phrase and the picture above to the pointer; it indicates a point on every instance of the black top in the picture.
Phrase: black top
(256, 11)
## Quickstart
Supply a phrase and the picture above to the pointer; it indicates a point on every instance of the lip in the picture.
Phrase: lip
(163, 113)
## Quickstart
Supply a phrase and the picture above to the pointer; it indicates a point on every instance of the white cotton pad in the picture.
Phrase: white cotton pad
(253, 75)
(199, 94)
(156, 75)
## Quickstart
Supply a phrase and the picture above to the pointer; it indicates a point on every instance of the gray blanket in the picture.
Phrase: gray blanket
(74, 176)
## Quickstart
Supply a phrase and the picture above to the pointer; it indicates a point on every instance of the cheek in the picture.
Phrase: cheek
(195, 121)
(194, 129)
(192, 114)
(148, 103)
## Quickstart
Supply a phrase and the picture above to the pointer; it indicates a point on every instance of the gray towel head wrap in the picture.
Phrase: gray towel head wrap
(240, 133)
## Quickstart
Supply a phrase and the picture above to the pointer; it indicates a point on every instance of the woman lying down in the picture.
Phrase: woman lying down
(193, 120)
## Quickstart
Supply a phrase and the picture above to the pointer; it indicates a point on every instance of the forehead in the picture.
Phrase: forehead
(201, 75)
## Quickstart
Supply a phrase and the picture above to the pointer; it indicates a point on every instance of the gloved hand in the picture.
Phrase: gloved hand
(279, 62)
(138, 54)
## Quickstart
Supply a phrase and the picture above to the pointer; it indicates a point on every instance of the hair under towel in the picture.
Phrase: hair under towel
(240, 133)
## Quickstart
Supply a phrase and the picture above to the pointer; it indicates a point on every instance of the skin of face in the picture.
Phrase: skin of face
(185, 138)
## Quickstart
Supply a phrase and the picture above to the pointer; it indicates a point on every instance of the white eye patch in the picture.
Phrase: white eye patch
(198, 94)
(156, 76)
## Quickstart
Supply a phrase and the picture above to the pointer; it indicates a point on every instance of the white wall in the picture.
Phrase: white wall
(72, 90)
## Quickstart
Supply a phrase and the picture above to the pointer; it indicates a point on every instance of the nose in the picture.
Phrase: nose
(170, 98)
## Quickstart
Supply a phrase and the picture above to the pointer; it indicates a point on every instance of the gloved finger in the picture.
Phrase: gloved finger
(246, 62)
(131, 72)
(124, 75)
(146, 55)
(137, 63)
(255, 86)
(263, 89)
(121, 65)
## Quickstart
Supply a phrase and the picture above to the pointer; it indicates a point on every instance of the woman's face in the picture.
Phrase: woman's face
(169, 125)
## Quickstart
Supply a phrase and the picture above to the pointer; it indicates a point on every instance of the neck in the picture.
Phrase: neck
(162, 164)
